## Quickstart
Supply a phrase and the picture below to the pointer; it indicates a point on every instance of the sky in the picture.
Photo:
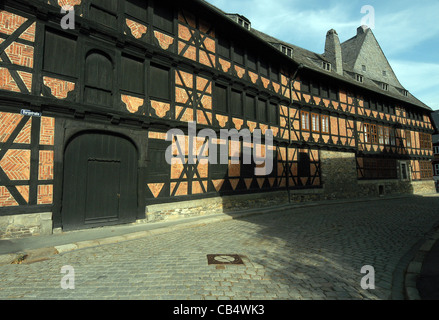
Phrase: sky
(407, 31)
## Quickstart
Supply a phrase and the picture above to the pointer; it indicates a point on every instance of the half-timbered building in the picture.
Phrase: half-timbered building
(87, 96)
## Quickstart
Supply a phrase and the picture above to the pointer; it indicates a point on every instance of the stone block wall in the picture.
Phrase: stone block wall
(339, 174)
(19, 226)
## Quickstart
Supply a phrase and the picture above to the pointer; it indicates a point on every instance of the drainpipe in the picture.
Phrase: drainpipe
(289, 127)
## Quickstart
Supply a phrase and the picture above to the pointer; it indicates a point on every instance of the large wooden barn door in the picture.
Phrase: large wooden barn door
(100, 181)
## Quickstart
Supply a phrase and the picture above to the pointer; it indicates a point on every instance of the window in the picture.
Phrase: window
(274, 73)
(392, 137)
(436, 150)
(60, 53)
(379, 168)
(391, 109)
(366, 104)
(408, 139)
(386, 136)
(304, 120)
(220, 98)
(385, 86)
(305, 85)
(98, 79)
(104, 12)
(132, 78)
(251, 61)
(364, 67)
(163, 17)
(315, 122)
(236, 103)
(250, 107)
(426, 170)
(160, 84)
(324, 90)
(238, 56)
(273, 114)
(333, 93)
(373, 134)
(404, 171)
(326, 66)
(244, 23)
(425, 140)
(405, 93)
(379, 106)
(325, 124)
(436, 169)
(359, 78)
(315, 88)
(286, 50)
(262, 110)
(304, 165)
(380, 135)
(366, 131)
(223, 47)
(263, 68)
(137, 9)
(385, 73)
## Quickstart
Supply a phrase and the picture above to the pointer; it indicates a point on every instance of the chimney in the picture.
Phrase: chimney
(362, 29)
(333, 51)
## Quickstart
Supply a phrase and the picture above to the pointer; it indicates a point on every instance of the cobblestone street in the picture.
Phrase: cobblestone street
(308, 253)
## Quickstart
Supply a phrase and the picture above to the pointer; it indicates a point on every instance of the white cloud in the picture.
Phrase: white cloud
(420, 78)
(400, 30)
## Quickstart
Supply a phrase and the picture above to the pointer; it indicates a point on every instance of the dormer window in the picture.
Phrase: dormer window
(405, 93)
(326, 66)
(244, 23)
(359, 78)
(286, 50)
(241, 20)
(385, 86)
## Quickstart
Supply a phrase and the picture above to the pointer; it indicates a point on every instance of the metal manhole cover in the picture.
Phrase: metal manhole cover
(224, 259)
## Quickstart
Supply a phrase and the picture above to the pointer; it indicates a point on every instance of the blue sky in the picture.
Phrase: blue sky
(407, 31)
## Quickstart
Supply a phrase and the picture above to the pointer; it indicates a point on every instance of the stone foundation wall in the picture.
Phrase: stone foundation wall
(427, 186)
(373, 188)
(24, 225)
(339, 174)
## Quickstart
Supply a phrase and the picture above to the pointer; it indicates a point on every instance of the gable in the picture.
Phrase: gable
(370, 55)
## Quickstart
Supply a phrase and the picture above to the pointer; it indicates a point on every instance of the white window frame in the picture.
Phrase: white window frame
(286, 50)
(436, 149)
(407, 168)
(326, 66)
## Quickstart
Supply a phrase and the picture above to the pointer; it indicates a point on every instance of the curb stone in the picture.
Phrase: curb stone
(36, 255)
(414, 268)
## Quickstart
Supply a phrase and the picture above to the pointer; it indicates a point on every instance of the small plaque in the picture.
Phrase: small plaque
(29, 113)
(224, 259)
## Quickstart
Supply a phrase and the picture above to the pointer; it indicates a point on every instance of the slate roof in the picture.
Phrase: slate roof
(313, 61)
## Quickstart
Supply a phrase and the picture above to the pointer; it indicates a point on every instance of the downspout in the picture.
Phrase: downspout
(289, 127)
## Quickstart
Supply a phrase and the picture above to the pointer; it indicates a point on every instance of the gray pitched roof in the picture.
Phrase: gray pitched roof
(313, 61)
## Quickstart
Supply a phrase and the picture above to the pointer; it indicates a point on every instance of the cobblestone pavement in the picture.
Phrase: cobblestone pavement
(307, 253)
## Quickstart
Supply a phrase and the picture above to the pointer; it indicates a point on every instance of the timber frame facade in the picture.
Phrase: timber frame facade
(106, 92)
